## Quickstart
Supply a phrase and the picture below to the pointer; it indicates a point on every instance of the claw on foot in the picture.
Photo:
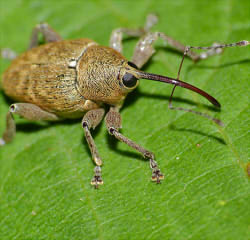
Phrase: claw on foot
(2, 142)
(157, 176)
(97, 179)
(7, 53)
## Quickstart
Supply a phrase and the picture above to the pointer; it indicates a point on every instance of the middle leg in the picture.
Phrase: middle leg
(90, 120)
(49, 34)
(7, 53)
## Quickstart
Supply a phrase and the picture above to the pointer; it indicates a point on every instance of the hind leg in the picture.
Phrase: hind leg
(27, 111)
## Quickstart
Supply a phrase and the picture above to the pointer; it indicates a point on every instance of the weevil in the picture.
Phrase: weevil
(75, 78)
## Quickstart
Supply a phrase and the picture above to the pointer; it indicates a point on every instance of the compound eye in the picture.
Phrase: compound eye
(129, 80)
(131, 64)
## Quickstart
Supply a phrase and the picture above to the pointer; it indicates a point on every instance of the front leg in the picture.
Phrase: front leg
(144, 48)
(117, 35)
(113, 123)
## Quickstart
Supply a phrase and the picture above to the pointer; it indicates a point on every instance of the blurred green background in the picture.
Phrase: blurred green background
(45, 173)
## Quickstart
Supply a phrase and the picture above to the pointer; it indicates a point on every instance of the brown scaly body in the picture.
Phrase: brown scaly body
(43, 76)
(74, 78)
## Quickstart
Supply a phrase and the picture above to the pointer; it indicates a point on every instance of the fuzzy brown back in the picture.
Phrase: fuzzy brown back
(42, 76)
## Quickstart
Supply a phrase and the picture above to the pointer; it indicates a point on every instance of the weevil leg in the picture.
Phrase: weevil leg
(48, 33)
(117, 35)
(7, 53)
(27, 111)
(90, 120)
(113, 123)
(215, 49)
(144, 48)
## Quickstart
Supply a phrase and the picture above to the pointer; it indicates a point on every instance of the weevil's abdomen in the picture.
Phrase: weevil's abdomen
(45, 77)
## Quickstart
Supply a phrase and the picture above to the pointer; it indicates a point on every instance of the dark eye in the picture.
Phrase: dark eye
(132, 65)
(129, 80)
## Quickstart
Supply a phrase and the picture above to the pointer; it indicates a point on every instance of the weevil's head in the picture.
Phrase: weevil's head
(104, 75)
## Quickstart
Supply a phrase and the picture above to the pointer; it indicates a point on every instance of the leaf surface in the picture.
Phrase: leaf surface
(45, 173)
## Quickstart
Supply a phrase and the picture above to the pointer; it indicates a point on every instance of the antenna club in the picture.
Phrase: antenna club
(243, 43)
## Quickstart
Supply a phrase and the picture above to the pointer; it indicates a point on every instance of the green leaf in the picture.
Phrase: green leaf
(45, 173)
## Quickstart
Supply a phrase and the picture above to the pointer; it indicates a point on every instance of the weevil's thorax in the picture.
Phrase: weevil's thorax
(99, 71)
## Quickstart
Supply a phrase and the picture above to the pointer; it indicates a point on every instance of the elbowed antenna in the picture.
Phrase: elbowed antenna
(176, 82)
